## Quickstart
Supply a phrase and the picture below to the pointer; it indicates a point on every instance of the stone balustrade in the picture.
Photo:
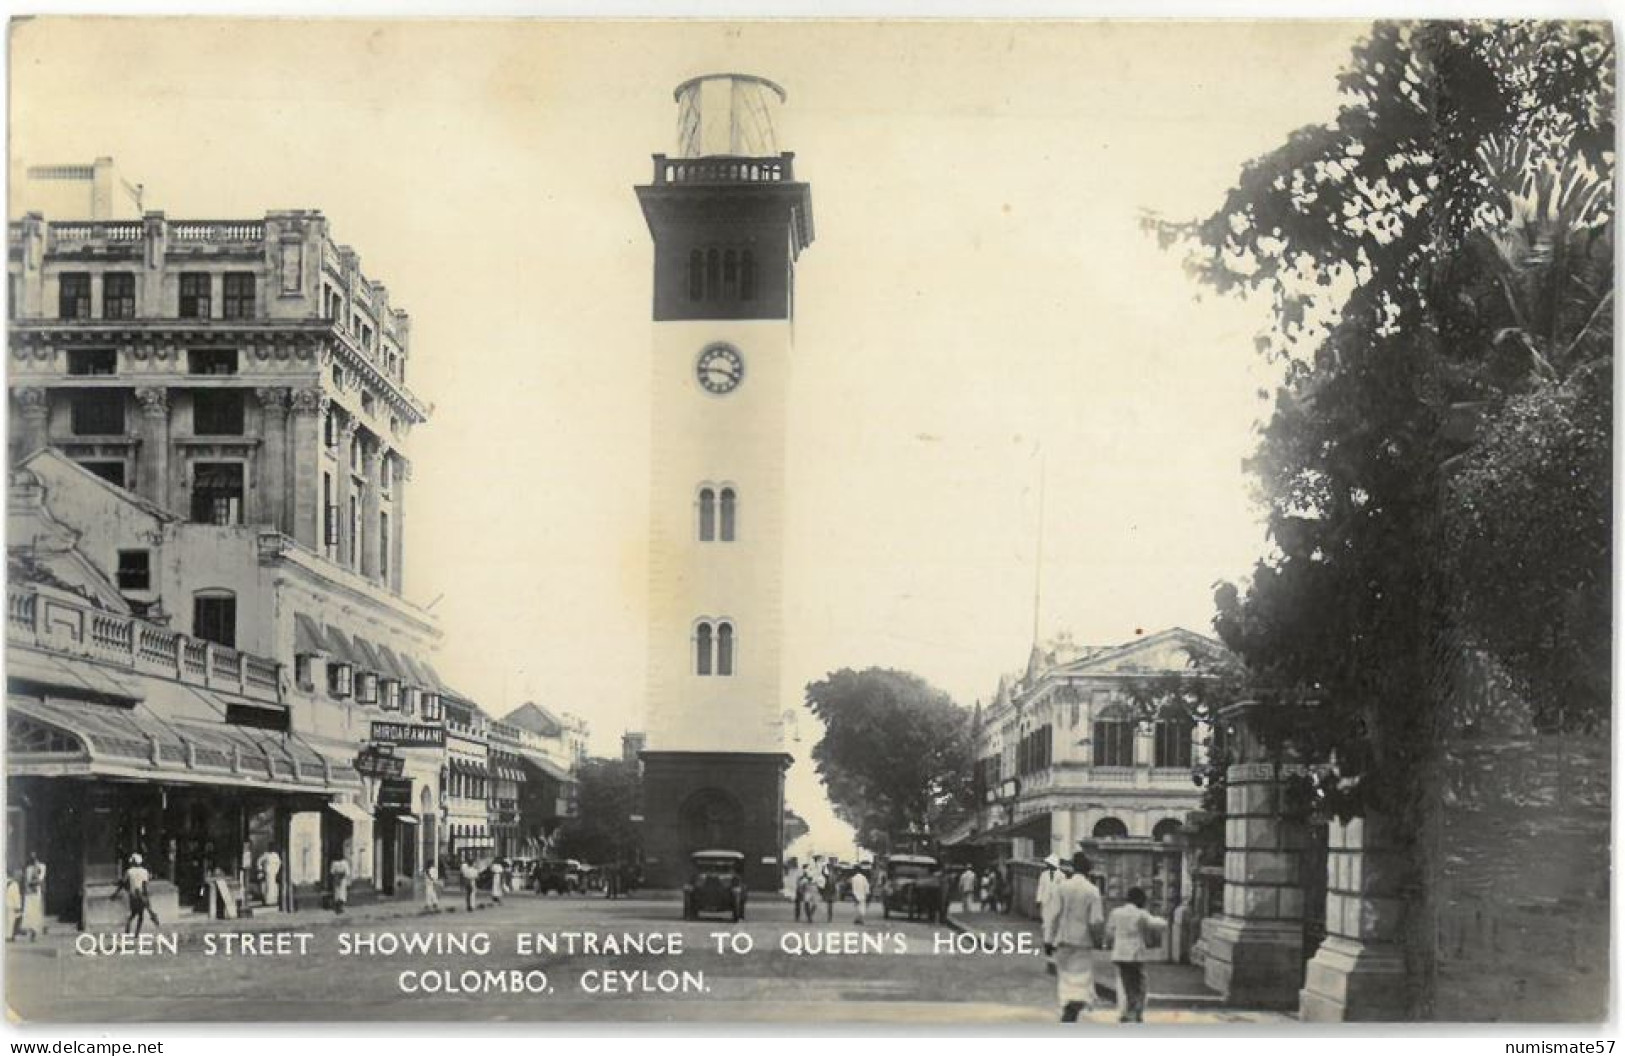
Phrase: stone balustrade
(724, 169)
(54, 622)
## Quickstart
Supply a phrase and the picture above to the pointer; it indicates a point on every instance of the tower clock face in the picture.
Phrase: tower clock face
(720, 369)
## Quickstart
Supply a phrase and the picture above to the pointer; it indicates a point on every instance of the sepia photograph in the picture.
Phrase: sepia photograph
(1017, 525)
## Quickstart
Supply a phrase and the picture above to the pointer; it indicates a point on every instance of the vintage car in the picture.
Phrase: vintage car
(913, 887)
(716, 885)
(553, 876)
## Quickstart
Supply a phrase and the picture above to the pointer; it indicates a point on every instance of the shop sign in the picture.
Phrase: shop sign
(379, 761)
(395, 795)
(409, 735)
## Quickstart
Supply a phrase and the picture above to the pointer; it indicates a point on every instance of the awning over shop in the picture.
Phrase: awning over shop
(348, 810)
(1036, 827)
(51, 737)
(58, 678)
(369, 654)
(432, 677)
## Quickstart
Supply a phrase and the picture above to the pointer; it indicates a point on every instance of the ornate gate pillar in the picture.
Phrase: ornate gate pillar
(1359, 971)
(1254, 949)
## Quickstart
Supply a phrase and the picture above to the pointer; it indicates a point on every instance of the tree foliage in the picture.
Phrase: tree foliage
(896, 751)
(609, 793)
(1435, 468)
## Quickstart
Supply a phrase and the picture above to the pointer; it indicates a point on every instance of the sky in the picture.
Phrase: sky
(983, 332)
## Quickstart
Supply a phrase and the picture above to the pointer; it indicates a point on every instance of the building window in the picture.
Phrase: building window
(369, 405)
(134, 570)
(391, 697)
(355, 532)
(92, 362)
(713, 274)
(702, 649)
(118, 295)
(97, 412)
(330, 430)
(211, 361)
(1173, 739)
(730, 274)
(696, 276)
(708, 515)
(431, 707)
(409, 701)
(383, 546)
(217, 493)
(725, 649)
(1110, 828)
(330, 519)
(14, 295)
(1114, 737)
(301, 671)
(386, 473)
(727, 504)
(340, 680)
(217, 412)
(366, 689)
(214, 618)
(237, 295)
(1166, 829)
(73, 295)
(194, 295)
(747, 276)
(110, 471)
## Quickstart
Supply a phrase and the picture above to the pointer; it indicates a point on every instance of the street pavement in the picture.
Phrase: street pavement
(494, 966)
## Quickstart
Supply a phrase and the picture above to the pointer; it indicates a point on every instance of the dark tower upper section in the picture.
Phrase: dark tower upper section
(726, 213)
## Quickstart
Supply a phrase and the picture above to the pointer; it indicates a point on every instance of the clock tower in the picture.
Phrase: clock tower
(729, 221)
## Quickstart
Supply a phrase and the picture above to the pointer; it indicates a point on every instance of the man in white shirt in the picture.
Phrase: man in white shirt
(1129, 933)
(1047, 881)
(134, 884)
(1073, 922)
(860, 891)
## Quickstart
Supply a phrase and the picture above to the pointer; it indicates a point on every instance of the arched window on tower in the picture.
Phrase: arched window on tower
(730, 275)
(696, 275)
(725, 648)
(708, 515)
(729, 514)
(747, 276)
(702, 649)
(713, 274)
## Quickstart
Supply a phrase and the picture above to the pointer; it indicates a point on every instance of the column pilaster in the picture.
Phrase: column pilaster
(372, 463)
(152, 478)
(308, 406)
(34, 414)
(273, 461)
(1358, 973)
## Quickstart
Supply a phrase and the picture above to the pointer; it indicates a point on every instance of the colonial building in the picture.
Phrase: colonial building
(729, 221)
(550, 748)
(1064, 761)
(220, 410)
(125, 735)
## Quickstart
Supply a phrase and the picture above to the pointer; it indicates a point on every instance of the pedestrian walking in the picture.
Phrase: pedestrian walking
(339, 874)
(967, 888)
(829, 888)
(33, 917)
(496, 881)
(984, 890)
(1073, 923)
(1130, 932)
(806, 894)
(860, 892)
(1046, 882)
(431, 889)
(14, 904)
(134, 883)
(471, 890)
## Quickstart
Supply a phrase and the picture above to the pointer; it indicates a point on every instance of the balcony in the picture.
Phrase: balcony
(715, 170)
(55, 623)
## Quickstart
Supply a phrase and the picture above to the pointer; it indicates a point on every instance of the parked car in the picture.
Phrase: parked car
(550, 876)
(913, 887)
(716, 885)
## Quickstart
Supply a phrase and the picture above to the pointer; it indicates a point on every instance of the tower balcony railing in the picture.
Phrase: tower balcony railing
(725, 169)
(58, 624)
